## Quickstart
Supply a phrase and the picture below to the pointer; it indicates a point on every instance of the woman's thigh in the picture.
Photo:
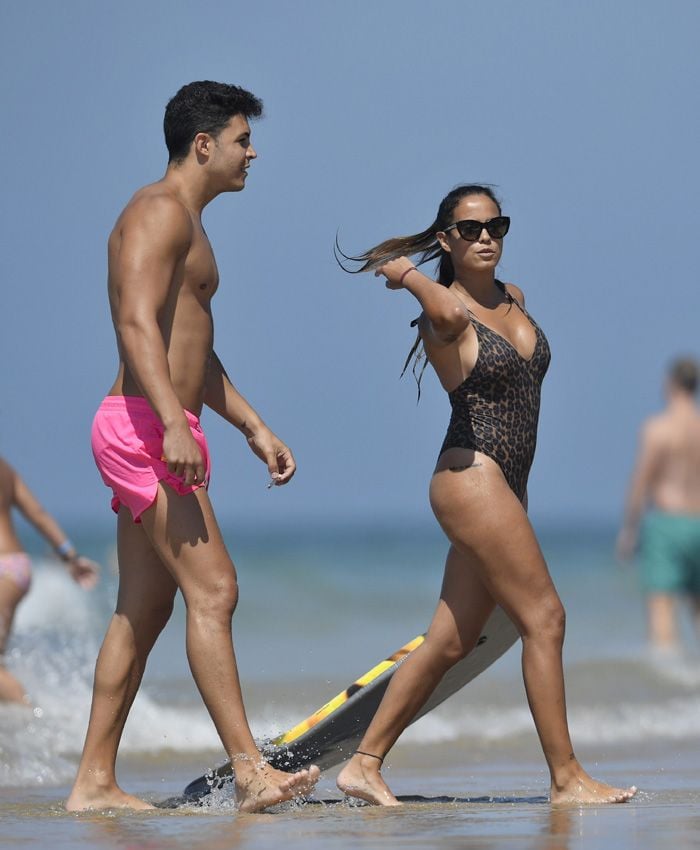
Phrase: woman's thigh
(463, 608)
(485, 521)
(11, 594)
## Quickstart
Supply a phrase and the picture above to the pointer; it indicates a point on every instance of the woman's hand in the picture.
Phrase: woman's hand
(83, 571)
(394, 271)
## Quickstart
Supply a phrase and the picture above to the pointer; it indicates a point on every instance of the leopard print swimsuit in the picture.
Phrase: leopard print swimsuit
(495, 410)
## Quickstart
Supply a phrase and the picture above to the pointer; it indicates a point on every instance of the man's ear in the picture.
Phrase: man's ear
(203, 144)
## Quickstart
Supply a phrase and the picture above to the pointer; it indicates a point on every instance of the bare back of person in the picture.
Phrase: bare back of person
(675, 435)
(666, 479)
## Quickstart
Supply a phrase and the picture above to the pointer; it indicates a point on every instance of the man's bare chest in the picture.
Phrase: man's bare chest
(200, 273)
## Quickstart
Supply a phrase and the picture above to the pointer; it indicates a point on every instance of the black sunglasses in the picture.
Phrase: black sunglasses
(471, 230)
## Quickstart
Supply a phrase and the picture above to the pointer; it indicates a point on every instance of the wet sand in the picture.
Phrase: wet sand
(496, 804)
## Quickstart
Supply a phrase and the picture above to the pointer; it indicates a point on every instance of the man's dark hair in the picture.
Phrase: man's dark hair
(684, 374)
(204, 107)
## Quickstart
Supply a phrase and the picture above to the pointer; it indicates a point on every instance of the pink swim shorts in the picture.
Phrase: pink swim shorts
(127, 443)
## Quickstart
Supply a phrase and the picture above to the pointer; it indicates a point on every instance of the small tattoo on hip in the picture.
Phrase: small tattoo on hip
(462, 468)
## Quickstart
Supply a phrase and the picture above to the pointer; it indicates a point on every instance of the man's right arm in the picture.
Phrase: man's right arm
(156, 234)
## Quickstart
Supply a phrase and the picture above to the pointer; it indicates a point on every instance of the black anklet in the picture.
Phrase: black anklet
(380, 759)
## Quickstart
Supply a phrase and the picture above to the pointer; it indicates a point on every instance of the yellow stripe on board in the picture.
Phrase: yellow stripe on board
(344, 696)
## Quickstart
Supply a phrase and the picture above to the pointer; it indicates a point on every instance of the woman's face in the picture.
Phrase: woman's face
(485, 251)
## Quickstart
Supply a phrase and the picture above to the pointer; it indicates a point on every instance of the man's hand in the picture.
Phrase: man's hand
(275, 454)
(626, 544)
(182, 454)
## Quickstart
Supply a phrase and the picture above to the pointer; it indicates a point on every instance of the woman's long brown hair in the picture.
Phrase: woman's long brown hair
(426, 245)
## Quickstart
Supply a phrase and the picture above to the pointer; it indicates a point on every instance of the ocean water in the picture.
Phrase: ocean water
(318, 608)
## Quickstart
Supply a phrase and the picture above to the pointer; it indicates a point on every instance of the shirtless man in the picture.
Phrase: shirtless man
(150, 449)
(666, 479)
(16, 565)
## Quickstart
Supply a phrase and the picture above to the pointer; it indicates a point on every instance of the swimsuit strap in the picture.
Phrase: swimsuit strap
(503, 289)
(511, 298)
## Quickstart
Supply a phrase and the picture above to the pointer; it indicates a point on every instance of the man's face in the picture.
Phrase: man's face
(231, 155)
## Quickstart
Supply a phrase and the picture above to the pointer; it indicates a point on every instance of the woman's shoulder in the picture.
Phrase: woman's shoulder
(516, 292)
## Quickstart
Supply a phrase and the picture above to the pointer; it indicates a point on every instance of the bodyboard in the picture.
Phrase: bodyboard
(331, 734)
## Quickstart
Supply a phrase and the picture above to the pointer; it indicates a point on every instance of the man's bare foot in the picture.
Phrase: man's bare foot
(361, 778)
(99, 799)
(581, 789)
(264, 786)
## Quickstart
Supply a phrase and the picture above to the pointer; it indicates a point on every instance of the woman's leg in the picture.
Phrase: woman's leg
(11, 690)
(462, 611)
(482, 517)
(495, 558)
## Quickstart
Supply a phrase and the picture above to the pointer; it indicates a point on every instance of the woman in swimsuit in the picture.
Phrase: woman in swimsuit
(490, 357)
(16, 568)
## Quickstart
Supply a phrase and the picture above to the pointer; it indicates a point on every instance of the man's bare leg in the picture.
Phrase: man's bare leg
(184, 532)
(144, 605)
(695, 612)
(663, 631)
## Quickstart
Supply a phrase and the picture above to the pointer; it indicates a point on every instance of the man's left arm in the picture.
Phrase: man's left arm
(223, 398)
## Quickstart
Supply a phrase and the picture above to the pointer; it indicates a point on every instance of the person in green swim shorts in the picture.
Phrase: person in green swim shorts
(662, 514)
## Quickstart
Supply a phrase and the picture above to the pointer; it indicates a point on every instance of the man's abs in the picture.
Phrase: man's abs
(188, 344)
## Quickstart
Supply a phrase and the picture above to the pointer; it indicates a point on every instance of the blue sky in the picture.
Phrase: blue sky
(584, 115)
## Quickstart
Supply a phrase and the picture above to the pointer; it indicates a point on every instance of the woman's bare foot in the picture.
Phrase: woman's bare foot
(97, 798)
(361, 778)
(581, 789)
(263, 786)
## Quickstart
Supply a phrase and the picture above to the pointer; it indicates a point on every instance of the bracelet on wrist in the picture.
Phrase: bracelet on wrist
(411, 269)
(66, 550)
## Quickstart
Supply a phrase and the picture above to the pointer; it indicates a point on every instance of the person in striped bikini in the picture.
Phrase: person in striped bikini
(16, 566)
